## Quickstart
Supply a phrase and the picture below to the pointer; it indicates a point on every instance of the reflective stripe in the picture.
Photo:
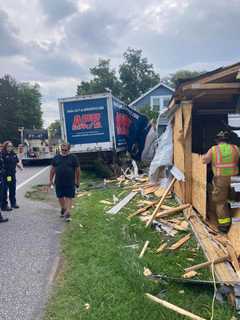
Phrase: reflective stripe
(226, 165)
(224, 160)
(218, 161)
(236, 149)
(224, 220)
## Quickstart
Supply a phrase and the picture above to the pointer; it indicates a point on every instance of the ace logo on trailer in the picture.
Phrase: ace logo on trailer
(87, 121)
(123, 123)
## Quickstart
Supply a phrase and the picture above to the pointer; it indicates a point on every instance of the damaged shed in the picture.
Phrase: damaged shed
(201, 108)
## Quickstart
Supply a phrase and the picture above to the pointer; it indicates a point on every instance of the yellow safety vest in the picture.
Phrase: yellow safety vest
(225, 159)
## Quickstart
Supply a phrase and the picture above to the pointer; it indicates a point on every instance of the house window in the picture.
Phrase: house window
(158, 103)
(155, 103)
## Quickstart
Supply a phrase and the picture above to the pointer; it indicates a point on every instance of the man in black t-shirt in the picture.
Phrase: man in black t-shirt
(66, 171)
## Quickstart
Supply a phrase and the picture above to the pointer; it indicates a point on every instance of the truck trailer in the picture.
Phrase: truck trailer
(99, 125)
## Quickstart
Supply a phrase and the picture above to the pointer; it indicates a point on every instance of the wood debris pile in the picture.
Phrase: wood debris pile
(157, 208)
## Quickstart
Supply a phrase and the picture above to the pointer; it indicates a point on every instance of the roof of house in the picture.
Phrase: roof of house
(151, 90)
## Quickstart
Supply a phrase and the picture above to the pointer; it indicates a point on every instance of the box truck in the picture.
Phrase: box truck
(99, 123)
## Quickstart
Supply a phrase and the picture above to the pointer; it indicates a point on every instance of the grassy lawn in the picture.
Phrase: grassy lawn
(102, 276)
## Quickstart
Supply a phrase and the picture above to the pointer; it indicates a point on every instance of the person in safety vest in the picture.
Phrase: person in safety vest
(224, 158)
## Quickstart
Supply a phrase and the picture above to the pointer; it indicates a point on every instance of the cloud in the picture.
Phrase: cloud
(55, 42)
(96, 31)
(56, 10)
(10, 44)
(51, 92)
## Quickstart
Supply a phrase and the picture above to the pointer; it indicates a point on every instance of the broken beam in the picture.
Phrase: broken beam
(172, 211)
(174, 308)
(161, 202)
(206, 264)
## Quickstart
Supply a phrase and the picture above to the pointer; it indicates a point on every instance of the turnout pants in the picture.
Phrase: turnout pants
(220, 195)
(10, 187)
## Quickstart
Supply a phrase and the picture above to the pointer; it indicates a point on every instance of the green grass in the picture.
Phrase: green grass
(101, 271)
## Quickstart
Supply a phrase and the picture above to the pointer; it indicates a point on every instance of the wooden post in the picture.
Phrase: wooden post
(161, 202)
(174, 308)
(144, 249)
(172, 211)
(187, 127)
(206, 264)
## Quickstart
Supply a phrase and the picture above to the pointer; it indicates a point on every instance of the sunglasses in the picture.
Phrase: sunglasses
(64, 150)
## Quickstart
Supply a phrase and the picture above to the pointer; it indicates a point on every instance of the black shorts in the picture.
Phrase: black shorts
(65, 192)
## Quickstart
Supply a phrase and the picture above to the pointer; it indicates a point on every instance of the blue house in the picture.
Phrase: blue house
(157, 98)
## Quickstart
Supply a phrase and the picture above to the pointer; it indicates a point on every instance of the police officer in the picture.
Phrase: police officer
(11, 161)
(2, 175)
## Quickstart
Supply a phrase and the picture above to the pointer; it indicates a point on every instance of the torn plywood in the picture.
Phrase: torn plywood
(178, 150)
(199, 185)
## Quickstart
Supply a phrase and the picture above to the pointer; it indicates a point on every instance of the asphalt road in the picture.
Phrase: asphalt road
(29, 251)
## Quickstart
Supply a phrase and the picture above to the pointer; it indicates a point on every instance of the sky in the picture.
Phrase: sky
(55, 42)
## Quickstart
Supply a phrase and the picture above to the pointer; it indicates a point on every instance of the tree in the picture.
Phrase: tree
(149, 113)
(20, 106)
(55, 131)
(175, 78)
(136, 74)
(30, 114)
(103, 78)
(8, 103)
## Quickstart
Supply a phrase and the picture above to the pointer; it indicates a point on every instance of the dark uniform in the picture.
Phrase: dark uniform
(2, 188)
(10, 163)
(2, 177)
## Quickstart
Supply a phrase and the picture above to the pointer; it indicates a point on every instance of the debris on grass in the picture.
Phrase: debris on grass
(180, 242)
(105, 202)
(144, 249)
(162, 247)
(174, 307)
(87, 306)
(147, 272)
(190, 274)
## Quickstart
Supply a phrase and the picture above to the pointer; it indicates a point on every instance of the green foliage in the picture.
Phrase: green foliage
(55, 130)
(103, 77)
(174, 78)
(136, 74)
(151, 114)
(20, 106)
(136, 77)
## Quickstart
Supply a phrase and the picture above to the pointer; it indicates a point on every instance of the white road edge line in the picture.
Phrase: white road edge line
(31, 178)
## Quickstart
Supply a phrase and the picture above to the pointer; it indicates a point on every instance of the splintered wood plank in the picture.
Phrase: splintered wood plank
(122, 203)
(174, 307)
(180, 242)
(159, 192)
(167, 212)
(144, 249)
(199, 185)
(212, 250)
(151, 189)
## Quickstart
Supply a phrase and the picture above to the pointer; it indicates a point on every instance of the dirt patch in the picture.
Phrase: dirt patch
(41, 193)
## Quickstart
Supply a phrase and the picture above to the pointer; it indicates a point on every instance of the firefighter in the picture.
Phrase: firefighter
(2, 175)
(225, 160)
(10, 162)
